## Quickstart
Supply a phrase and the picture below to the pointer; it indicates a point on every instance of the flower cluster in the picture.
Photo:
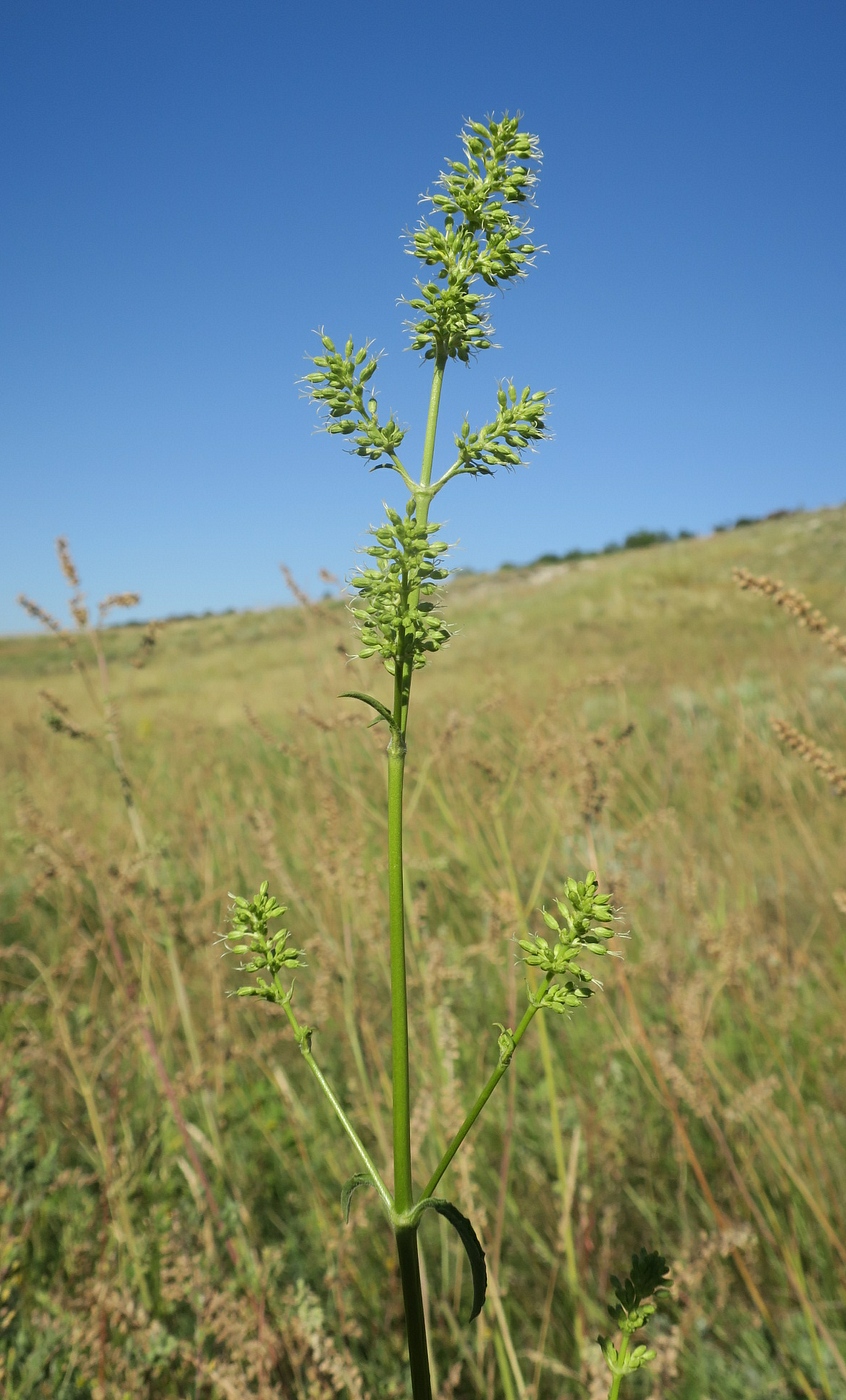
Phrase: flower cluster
(582, 926)
(519, 423)
(397, 617)
(339, 383)
(482, 239)
(267, 951)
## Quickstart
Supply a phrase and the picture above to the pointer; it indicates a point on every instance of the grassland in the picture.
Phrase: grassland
(169, 1194)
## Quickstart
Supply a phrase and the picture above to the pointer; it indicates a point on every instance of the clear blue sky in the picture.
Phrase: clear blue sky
(189, 188)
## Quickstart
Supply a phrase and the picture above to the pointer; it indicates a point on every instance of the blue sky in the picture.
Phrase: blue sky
(188, 189)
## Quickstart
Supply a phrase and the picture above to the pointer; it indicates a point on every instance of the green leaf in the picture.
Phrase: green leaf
(472, 1248)
(381, 710)
(648, 1276)
(360, 1179)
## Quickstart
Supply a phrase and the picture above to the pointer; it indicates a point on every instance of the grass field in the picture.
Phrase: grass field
(169, 1192)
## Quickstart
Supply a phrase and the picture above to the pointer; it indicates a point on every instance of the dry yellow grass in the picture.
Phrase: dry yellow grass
(170, 1212)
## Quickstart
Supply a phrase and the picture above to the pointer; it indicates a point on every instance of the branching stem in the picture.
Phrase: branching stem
(401, 471)
(482, 241)
(522, 1027)
(302, 1036)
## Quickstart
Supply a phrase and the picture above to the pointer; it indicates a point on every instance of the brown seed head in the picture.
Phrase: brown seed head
(146, 645)
(812, 753)
(66, 563)
(38, 613)
(54, 702)
(299, 593)
(794, 603)
(79, 611)
(118, 600)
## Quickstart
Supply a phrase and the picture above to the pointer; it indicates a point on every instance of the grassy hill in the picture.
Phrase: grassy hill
(169, 1206)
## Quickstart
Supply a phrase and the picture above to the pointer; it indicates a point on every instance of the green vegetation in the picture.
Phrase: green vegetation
(644, 539)
(631, 1312)
(169, 1211)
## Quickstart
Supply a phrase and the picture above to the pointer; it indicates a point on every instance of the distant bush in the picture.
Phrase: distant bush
(743, 521)
(643, 539)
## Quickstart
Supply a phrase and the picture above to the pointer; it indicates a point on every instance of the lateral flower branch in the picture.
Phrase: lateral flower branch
(473, 241)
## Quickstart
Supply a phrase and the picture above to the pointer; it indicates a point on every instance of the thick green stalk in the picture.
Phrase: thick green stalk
(497, 1074)
(422, 501)
(403, 1192)
(415, 1317)
(432, 424)
(409, 1260)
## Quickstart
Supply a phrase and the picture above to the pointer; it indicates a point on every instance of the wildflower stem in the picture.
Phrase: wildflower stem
(415, 1317)
(522, 1027)
(403, 1192)
(618, 1375)
(303, 1038)
(407, 1254)
(431, 431)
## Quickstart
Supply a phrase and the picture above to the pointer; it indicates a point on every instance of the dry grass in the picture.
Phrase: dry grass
(170, 1201)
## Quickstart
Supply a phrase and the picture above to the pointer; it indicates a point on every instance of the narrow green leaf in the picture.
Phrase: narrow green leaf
(382, 710)
(472, 1248)
(360, 1179)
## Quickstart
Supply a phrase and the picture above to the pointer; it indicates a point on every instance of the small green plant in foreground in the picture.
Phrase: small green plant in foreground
(631, 1312)
(478, 241)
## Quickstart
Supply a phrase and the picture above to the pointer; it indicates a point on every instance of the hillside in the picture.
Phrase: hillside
(611, 712)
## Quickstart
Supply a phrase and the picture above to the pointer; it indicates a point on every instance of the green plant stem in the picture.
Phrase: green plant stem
(431, 430)
(571, 1269)
(406, 1238)
(303, 1036)
(523, 1025)
(403, 1190)
(503, 1366)
(415, 1317)
(618, 1378)
(407, 1255)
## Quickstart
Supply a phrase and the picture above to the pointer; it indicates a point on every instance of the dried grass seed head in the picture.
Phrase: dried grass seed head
(117, 600)
(66, 563)
(35, 611)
